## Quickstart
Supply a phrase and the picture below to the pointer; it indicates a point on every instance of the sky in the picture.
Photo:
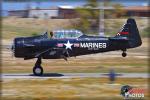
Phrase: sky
(49, 3)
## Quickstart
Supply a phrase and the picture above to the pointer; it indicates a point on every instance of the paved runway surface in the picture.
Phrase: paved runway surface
(70, 75)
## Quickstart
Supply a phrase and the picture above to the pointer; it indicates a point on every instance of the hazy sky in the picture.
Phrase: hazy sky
(49, 3)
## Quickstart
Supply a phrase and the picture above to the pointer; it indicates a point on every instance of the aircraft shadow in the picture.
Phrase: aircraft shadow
(44, 75)
(49, 75)
(114, 74)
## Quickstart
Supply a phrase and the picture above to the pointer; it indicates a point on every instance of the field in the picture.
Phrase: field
(13, 27)
(69, 89)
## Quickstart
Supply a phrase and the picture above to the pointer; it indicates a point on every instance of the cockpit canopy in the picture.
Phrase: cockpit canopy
(67, 34)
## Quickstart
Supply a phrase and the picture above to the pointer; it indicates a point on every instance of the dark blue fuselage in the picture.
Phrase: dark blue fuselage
(29, 47)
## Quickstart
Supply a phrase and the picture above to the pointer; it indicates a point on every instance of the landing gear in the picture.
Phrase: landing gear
(124, 54)
(37, 69)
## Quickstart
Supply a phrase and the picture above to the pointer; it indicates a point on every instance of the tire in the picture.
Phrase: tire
(37, 70)
(124, 54)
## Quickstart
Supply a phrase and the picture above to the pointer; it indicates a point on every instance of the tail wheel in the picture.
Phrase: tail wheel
(124, 54)
(38, 70)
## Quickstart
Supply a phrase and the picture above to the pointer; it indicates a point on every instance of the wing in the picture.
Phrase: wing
(63, 53)
(28, 45)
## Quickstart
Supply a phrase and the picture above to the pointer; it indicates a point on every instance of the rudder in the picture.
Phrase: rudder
(130, 31)
(134, 36)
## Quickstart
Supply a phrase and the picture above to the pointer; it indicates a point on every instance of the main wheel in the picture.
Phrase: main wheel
(124, 54)
(38, 70)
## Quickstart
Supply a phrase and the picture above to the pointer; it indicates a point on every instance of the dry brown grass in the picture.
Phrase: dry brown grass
(13, 27)
(68, 89)
(98, 65)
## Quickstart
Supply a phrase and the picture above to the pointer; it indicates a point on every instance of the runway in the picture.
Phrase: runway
(71, 75)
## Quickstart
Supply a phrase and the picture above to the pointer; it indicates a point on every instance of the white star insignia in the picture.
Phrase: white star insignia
(68, 45)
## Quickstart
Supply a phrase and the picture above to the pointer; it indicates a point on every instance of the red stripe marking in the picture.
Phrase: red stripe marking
(59, 45)
(124, 33)
(76, 45)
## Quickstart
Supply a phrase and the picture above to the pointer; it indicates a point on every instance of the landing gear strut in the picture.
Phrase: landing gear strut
(37, 69)
(124, 54)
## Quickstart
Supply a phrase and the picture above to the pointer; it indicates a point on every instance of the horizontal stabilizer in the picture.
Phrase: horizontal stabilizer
(118, 38)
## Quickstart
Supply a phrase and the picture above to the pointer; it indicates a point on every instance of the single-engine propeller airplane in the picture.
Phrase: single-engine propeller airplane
(69, 43)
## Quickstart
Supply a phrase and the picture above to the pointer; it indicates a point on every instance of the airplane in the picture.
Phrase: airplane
(69, 43)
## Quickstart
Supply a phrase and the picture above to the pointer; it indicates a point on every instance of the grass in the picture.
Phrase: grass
(13, 27)
(98, 65)
(75, 88)
(68, 89)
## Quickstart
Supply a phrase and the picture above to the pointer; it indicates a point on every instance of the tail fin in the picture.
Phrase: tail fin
(131, 31)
